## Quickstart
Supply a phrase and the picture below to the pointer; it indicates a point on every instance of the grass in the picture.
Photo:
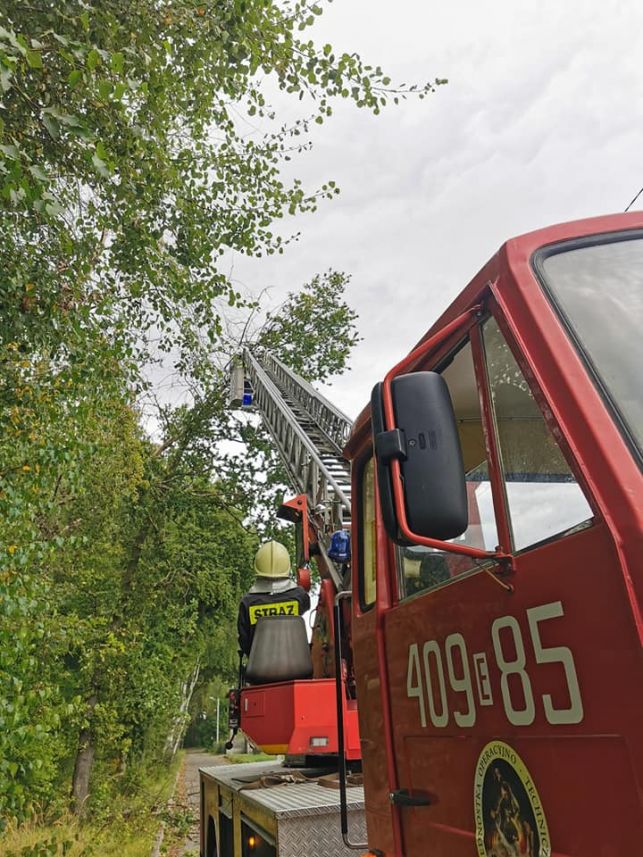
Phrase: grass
(128, 830)
(241, 758)
(72, 839)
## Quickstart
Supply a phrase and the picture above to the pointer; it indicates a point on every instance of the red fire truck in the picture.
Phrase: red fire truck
(497, 562)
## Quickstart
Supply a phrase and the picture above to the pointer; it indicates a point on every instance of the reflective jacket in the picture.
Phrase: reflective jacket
(291, 601)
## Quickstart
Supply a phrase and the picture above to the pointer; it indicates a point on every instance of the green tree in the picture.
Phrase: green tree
(126, 167)
(313, 331)
(66, 462)
(135, 554)
(126, 172)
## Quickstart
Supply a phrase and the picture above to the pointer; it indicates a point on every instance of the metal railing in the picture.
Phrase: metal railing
(334, 424)
(318, 472)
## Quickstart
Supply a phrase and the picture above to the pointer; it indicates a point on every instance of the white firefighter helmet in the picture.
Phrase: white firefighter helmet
(272, 560)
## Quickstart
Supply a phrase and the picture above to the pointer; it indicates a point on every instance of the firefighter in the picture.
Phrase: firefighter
(273, 593)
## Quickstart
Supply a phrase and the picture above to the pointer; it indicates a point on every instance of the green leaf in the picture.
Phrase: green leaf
(101, 166)
(17, 42)
(5, 78)
(54, 208)
(63, 40)
(82, 131)
(105, 89)
(51, 124)
(34, 59)
(93, 59)
(68, 119)
(11, 152)
(38, 173)
(74, 78)
(117, 62)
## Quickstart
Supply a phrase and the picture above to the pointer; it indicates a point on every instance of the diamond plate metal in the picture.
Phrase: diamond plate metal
(298, 800)
(307, 814)
(317, 835)
(286, 801)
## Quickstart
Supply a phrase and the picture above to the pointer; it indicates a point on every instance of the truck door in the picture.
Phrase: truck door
(510, 697)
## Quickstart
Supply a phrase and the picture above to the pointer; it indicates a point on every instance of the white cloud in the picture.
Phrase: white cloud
(539, 124)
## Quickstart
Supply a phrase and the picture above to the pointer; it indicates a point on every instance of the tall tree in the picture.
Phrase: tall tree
(126, 172)
(134, 552)
(127, 169)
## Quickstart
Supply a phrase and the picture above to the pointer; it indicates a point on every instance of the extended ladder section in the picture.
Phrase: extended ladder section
(309, 433)
(300, 717)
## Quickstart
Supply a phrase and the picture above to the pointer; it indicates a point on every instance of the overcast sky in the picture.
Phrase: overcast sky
(540, 123)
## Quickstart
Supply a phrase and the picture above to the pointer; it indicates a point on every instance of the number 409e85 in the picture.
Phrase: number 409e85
(432, 666)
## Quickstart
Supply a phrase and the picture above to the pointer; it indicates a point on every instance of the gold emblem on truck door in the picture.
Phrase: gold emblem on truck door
(510, 820)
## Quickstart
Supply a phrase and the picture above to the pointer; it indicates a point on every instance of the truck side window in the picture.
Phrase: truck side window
(421, 568)
(543, 497)
(367, 535)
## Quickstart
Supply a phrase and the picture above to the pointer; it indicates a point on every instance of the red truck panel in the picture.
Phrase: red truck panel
(298, 718)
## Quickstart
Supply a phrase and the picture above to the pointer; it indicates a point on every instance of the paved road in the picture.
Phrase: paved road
(188, 792)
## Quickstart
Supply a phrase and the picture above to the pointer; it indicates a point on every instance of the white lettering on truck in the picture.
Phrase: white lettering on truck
(427, 675)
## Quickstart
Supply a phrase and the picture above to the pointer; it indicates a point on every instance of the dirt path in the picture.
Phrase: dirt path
(187, 793)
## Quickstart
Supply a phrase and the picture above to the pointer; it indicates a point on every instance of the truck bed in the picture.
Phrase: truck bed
(289, 820)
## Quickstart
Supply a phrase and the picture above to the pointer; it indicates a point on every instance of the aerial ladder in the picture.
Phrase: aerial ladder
(309, 433)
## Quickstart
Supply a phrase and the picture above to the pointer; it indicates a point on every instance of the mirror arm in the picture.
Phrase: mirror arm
(387, 444)
(390, 445)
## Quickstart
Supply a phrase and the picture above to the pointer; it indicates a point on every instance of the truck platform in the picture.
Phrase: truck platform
(298, 819)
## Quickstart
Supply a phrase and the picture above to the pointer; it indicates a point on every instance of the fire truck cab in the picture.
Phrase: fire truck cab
(497, 618)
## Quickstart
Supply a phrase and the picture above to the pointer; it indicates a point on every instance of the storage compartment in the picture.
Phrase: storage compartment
(256, 842)
(298, 718)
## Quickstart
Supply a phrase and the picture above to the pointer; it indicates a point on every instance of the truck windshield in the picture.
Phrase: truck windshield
(599, 291)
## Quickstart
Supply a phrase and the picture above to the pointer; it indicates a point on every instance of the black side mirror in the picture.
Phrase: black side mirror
(427, 445)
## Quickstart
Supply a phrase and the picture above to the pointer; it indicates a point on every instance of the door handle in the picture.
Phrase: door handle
(402, 797)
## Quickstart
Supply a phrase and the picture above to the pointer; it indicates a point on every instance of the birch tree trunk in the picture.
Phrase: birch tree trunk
(84, 761)
(179, 723)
